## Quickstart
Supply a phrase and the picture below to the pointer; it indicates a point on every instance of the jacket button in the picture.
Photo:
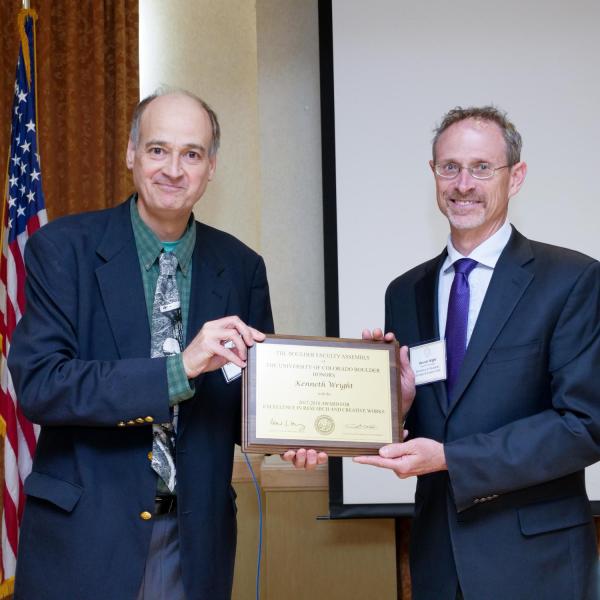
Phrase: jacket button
(130, 422)
(146, 515)
(149, 455)
(149, 420)
(139, 420)
(121, 424)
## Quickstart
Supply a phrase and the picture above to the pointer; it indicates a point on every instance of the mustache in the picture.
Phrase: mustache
(456, 195)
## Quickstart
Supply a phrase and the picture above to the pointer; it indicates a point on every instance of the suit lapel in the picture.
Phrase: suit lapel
(426, 294)
(210, 288)
(121, 286)
(508, 283)
(209, 299)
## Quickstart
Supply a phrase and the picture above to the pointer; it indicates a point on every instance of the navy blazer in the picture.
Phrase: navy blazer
(510, 518)
(81, 369)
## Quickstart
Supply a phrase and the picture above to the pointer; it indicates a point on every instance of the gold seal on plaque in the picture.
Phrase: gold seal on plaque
(324, 424)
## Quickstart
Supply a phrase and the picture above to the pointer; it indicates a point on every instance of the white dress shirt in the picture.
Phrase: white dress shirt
(486, 255)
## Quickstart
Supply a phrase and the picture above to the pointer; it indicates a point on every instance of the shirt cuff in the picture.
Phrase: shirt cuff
(180, 387)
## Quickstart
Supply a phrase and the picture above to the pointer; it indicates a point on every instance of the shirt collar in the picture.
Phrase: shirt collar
(486, 254)
(149, 246)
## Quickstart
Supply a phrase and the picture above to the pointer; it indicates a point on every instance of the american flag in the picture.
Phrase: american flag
(23, 213)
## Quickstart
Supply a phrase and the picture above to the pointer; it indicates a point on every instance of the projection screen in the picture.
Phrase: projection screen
(389, 71)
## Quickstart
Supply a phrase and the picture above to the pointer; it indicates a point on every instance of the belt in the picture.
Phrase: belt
(165, 504)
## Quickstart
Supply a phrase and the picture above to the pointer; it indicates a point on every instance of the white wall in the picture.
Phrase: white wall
(257, 65)
(290, 144)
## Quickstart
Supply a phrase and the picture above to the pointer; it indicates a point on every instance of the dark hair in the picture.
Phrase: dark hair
(484, 113)
(134, 133)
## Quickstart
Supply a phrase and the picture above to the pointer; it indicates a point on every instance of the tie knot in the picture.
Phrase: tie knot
(465, 266)
(167, 263)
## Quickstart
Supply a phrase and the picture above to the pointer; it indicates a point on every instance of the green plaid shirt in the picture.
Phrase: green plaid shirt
(149, 248)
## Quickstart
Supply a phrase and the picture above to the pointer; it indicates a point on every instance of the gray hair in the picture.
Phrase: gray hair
(484, 113)
(134, 133)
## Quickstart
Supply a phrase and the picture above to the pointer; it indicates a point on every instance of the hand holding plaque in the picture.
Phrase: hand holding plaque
(339, 396)
(407, 375)
(308, 459)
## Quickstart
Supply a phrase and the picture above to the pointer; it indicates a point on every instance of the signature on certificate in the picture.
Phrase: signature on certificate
(287, 425)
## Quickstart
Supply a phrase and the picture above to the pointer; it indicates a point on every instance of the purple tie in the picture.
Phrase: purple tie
(456, 323)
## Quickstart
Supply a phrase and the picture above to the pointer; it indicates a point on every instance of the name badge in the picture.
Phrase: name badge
(428, 361)
(230, 371)
(169, 307)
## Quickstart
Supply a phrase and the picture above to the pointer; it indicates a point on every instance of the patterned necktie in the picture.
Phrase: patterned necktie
(456, 323)
(166, 339)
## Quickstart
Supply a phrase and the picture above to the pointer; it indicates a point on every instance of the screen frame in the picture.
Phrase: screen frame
(337, 508)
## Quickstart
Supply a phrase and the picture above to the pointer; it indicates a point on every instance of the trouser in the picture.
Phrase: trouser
(162, 575)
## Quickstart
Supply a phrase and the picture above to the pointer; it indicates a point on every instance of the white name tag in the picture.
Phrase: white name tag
(428, 361)
(170, 306)
(229, 370)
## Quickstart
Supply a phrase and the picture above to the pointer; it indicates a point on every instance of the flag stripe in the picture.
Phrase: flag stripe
(28, 434)
(19, 276)
(10, 519)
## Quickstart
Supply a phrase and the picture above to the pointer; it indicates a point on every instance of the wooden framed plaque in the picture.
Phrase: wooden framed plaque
(340, 396)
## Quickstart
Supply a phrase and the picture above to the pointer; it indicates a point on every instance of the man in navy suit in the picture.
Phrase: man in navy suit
(501, 509)
(97, 522)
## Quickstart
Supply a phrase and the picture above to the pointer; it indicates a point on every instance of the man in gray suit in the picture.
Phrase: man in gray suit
(500, 446)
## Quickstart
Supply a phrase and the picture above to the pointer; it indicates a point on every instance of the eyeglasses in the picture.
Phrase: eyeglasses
(481, 170)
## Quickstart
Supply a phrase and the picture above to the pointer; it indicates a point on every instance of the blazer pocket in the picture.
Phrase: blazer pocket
(496, 355)
(554, 515)
(61, 493)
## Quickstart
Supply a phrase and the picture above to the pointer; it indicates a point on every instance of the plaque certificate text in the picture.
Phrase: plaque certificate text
(339, 396)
